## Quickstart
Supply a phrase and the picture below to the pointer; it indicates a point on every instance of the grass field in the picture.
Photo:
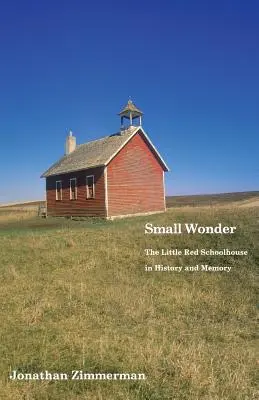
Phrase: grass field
(75, 295)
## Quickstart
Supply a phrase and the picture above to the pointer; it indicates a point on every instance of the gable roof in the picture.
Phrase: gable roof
(97, 153)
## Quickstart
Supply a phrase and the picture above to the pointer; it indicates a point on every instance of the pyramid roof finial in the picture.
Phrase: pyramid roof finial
(130, 107)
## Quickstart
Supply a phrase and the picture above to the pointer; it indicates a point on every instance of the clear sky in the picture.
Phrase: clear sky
(191, 66)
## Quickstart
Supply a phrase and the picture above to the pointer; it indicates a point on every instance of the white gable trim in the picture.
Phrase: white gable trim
(155, 150)
(106, 191)
(139, 128)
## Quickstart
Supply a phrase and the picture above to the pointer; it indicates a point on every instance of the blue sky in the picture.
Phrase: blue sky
(191, 66)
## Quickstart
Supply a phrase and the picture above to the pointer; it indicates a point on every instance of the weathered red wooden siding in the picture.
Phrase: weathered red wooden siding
(81, 206)
(135, 180)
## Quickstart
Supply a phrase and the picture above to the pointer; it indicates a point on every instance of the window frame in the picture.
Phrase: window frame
(57, 199)
(70, 191)
(87, 187)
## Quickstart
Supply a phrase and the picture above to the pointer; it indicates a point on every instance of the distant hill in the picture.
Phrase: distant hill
(210, 199)
(23, 204)
(195, 200)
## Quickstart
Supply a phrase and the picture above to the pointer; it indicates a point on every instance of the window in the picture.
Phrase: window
(73, 189)
(58, 190)
(90, 187)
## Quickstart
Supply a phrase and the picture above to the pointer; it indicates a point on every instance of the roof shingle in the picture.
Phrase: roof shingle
(91, 154)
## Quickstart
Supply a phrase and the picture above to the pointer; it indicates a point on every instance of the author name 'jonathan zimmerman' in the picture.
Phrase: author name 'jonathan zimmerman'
(74, 376)
(178, 229)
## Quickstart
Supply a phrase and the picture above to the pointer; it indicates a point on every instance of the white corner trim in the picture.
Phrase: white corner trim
(46, 198)
(106, 191)
(164, 189)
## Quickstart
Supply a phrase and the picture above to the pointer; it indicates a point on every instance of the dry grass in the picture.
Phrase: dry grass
(76, 296)
(17, 213)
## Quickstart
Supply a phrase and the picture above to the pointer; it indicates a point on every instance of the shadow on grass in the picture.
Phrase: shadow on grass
(37, 224)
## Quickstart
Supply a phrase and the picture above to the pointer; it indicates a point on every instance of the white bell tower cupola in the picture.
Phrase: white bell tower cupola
(130, 116)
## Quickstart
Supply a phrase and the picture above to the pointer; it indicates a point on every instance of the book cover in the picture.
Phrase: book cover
(129, 201)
